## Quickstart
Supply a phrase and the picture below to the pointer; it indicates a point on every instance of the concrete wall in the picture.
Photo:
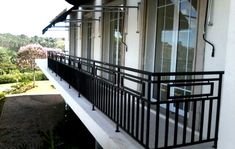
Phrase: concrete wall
(217, 34)
(227, 122)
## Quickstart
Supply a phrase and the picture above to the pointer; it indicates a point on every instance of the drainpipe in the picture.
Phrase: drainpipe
(205, 31)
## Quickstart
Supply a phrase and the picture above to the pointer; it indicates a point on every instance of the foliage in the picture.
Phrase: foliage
(2, 100)
(2, 95)
(7, 68)
(7, 56)
(20, 88)
(8, 78)
(14, 42)
(21, 77)
(27, 54)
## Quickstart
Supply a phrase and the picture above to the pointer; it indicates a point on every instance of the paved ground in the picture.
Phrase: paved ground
(25, 117)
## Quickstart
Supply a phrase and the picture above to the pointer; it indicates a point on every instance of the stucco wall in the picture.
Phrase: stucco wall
(227, 122)
(217, 34)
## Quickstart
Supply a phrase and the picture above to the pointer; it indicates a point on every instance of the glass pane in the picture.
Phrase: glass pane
(115, 52)
(186, 37)
(89, 38)
(165, 2)
(165, 28)
(164, 38)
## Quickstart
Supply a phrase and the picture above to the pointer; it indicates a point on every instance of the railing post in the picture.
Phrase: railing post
(149, 88)
(118, 97)
(158, 110)
(79, 69)
(93, 86)
(218, 110)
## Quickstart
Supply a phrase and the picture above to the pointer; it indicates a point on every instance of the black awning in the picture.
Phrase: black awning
(62, 16)
(59, 18)
(78, 2)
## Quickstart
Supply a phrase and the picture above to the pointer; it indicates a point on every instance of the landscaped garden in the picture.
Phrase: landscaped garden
(17, 62)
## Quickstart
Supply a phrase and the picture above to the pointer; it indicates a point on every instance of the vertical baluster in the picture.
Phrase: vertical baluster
(202, 120)
(218, 109)
(118, 97)
(125, 109)
(137, 118)
(167, 123)
(157, 111)
(121, 109)
(209, 119)
(194, 121)
(133, 116)
(149, 88)
(185, 121)
(129, 113)
(176, 122)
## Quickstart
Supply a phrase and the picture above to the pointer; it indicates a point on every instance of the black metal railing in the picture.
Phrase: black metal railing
(159, 110)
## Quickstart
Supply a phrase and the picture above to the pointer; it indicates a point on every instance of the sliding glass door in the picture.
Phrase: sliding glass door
(175, 40)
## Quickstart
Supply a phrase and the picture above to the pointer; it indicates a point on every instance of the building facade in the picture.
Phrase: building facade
(164, 36)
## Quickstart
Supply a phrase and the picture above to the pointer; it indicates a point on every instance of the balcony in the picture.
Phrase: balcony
(187, 112)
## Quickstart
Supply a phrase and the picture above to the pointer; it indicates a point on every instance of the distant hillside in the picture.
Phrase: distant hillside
(14, 42)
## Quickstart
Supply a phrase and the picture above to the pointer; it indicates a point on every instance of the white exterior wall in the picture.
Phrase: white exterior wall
(227, 121)
(132, 37)
(217, 34)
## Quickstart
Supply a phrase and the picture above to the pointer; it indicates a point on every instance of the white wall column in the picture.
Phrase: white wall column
(227, 120)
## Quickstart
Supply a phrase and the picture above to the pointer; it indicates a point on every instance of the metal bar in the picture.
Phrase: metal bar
(185, 122)
(142, 122)
(194, 121)
(209, 119)
(132, 111)
(94, 10)
(133, 116)
(125, 109)
(202, 120)
(106, 6)
(118, 85)
(137, 118)
(129, 113)
(176, 123)
(218, 110)
(149, 88)
(157, 112)
(167, 124)
(121, 109)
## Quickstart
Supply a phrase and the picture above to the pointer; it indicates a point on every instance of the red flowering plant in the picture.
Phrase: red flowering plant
(26, 56)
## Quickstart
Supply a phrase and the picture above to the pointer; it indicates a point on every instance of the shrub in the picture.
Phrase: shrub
(8, 68)
(20, 88)
(8, 78)
(29, 76)
(2, 96)
(21, 77)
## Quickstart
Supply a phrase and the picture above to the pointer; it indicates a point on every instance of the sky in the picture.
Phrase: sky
(30, 17)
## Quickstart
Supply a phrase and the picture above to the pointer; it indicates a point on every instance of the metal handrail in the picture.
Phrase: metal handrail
(126, 96)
